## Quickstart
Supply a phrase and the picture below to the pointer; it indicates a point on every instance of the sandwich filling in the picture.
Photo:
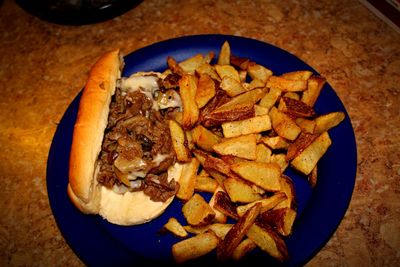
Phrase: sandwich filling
(137, 148)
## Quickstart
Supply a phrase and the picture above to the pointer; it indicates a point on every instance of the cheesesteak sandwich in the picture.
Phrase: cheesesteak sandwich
(122, 165)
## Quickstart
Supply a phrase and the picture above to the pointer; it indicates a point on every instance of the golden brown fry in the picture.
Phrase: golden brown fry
(224, 204)
(227, 71)
(221, 229)
(179, 141)
(187, 90)
(287, 188)
(269, 100)
(205, 90)
(239, 62)
(297, 75)
(313, 176)
(296, 108)
(281, 220)
(197, 211)
(256, 124)
(175, 227)
(239, 191)
(258, 72)
(286, 85)
(245, 247)
(306, 125)
(206, 68)
(280, 159)
(266, 203)
(235, 235)
(242, 146)
(264, 175)
(205, 184)
(275, 142)
(260, 110)
(174, 66)
(283, 125)
(204, 138)
(187, 181)
(314, 86)
(303, 141)
(191, 64)
(263, 153)
(194, 247)
(232, 86)
(327, 121)
(224, 54)
(219, 216)
(308, 158)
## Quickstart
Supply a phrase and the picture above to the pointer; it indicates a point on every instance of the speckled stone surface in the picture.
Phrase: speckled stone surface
(43, 66)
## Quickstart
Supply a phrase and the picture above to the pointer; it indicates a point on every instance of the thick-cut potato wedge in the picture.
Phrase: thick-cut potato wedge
(204, 138)
(307, 126)
(268, 241)
(287, 188)
(266, 203)
(258, 72)
(187, 180)
(256, 124)
(235, 235)
(243, 75)
(275, 142)
(219, 216)
(283, 125)
(187, 90)
(220, 229)
(245, 247)
(205, 184)
(216, 164)
(197, 211)
(297, 75)
(242, 146)
(263, 153)
(327, 121)
(227, 71)
(244, 100)
(194, 247)
(196, 229)
(239, 191)
(255, 83)
(308, 158)
(191, 64)
(224, 204)
(224, 54)
(296, 108)
(280, 159)
(292, 95)
(281, 220)
(303, 141)
(175, 227)
(314, 86)
(269, 100)
(232, 86)
(178, 141)
(265, 175)
(189, 139)
(286, 85)
(205, 90)
(206, 68)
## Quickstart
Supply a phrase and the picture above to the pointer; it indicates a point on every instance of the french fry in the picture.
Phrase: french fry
(296, 108)
(280, 159)
(269, 100)
(275, 142)
(268, 241)
(196, 229)
(292, 95)
(303, 141)
(205, 184)
(216, 164)
(239, 191)
(245, 247)
(280, 220)
(263, 153)
(283, 125)
(256, 124)
(313, 177)
(306, 125)
(174, 66)
(220, 229)
(286, 85)
(264, 175)
(178, 141)
(204, 138)
(327, 121)
(206, 68)
(187, 181)
(266, 203)
(197, 211)
(308, 158)
(191, 64)
(232, 239)
(224, 54)
(227, 71)
(205, 90)
(242, 146)
(232, 86)
(258, 72)
(175, 227)
(260, 110)
(219, 216)
(194, 247)
(239, 62)
(287, 188)
(314, 86)
(187, 90)
(297, 75)
(224, 204)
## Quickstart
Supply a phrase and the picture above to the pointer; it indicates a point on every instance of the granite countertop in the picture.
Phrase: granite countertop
(43, 66)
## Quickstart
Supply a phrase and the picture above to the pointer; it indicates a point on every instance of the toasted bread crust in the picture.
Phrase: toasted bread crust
(89, 128)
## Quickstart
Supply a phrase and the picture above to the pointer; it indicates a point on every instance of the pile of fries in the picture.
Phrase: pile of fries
(240, 127)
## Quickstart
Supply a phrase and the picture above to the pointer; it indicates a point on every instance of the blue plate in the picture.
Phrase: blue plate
(320, 210)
